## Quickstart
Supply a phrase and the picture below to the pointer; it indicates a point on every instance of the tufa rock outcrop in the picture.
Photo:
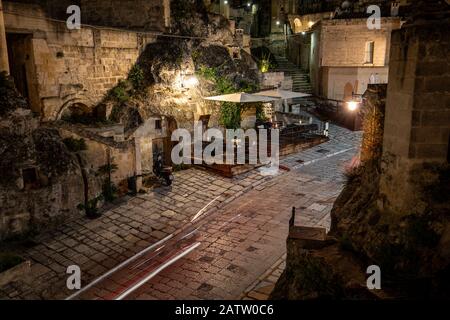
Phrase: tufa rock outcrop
(40, 180)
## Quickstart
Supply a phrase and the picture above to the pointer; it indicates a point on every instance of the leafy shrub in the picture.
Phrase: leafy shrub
(260, 114)
(136, 76)
(109, 191)
(265, 58)
(230, 115)
(120, 92)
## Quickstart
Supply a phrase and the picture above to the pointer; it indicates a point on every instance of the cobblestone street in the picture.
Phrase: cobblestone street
(239, 246)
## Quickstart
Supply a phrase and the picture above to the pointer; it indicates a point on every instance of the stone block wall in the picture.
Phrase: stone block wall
(343, 42)
(337, 62)
(101, 151)
(152, 14)
(73, 67)
(417, 128)
(32, 210)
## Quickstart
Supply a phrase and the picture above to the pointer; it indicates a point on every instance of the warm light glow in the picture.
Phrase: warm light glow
(310, 24)
(278, 23)
(190, 82)
(352, 105)
(303, 33)
(184, 81)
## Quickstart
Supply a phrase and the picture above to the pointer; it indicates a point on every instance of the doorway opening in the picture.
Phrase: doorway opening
(21, 65)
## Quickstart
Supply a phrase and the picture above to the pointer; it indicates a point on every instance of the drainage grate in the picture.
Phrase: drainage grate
(323, 151)
(300, 161)
(251, 249)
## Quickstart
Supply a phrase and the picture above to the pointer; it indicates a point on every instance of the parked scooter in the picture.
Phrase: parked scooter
(161, 172)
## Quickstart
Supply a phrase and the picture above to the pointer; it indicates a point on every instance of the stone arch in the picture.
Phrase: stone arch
(73, 108)
(297, 25)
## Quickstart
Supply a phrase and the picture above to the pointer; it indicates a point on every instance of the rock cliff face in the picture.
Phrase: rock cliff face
(411, 248)
(40, 180)
(172, 81)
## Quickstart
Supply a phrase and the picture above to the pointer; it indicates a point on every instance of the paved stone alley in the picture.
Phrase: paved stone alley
(241, 249)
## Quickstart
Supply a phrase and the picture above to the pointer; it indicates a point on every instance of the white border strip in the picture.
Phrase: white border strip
(119, 267)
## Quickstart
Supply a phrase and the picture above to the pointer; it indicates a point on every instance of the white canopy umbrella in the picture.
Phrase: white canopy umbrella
(282, 94)
(242, 98)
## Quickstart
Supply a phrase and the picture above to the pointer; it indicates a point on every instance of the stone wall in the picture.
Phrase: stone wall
(153, 15)
(299, 50)
(343, 42)
(101, 151)
(40, 180)
(417, 116)
(72, 67)
(337, 63)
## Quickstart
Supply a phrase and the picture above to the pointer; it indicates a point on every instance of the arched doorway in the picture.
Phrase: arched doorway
(297, 25)
(75, 112)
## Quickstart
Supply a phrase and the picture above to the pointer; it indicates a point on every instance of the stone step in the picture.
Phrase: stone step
(300, 79)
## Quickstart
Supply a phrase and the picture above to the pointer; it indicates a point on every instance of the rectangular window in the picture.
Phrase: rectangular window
(158, 125)
(30, 178)
(370, 46)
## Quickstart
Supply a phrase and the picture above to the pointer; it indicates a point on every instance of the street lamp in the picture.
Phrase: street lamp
(352, 105)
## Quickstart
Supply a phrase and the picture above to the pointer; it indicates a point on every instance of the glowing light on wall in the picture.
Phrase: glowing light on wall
(352, 105)
(190, 82)
(184, 81)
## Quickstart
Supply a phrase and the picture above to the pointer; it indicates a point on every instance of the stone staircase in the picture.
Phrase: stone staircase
(300, 78)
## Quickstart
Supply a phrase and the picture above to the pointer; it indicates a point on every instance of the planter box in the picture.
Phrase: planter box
(15, 273)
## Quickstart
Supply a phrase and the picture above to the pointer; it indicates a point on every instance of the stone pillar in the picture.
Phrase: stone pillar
(417, 125)
(167, 21)
(4, 64)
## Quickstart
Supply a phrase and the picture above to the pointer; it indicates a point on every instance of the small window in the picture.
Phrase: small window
(370, 46)
(158, 125)
(30, 178)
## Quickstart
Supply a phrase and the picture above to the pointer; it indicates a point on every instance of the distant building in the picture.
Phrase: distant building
(333, 43)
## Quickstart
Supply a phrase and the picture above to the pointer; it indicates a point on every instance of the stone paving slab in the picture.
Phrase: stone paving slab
(252, 247)
(123, 230)
(137, 222)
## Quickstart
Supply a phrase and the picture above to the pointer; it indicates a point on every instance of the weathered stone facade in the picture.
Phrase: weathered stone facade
(340, 64)
(40, 180)
(69, 68)
(418, 116)
(85, 78)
